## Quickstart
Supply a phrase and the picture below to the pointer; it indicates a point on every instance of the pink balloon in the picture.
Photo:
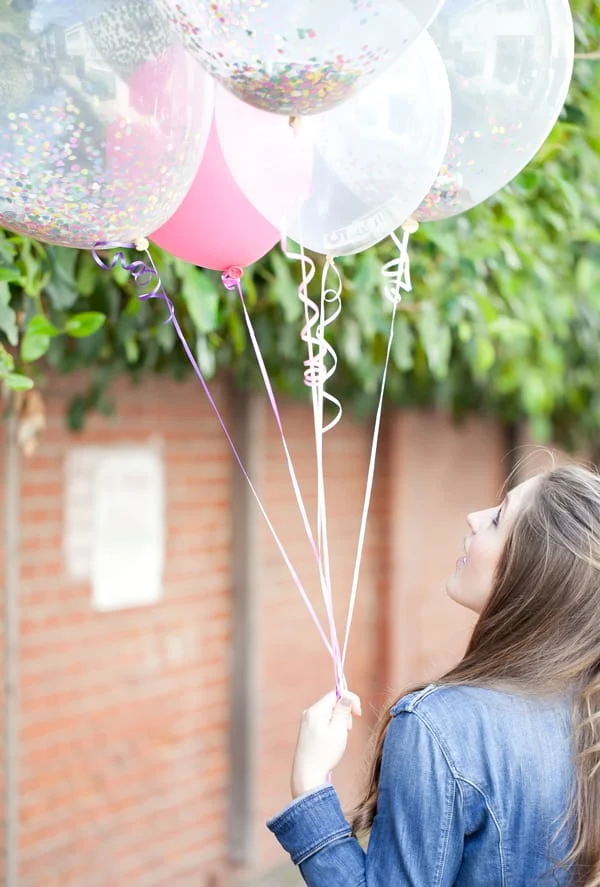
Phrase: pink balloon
(216, 226)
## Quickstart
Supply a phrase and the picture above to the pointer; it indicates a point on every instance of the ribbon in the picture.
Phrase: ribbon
(232, 280)
(147, 278)
(397, 271)
(319, 368)
(316, 374)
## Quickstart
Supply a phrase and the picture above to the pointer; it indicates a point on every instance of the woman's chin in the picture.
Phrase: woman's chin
(452, 587)
(456, 593)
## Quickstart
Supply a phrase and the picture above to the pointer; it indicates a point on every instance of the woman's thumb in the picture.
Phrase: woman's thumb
(348, 705)
(352, 701)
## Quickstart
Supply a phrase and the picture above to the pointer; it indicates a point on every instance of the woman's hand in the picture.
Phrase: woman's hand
(322, 741)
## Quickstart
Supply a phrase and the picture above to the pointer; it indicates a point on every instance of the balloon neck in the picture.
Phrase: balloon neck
(295, 123)
(141, 244)
(232, 276)
(411, 226)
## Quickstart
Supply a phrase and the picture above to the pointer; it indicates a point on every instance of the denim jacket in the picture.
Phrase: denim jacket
(474, 791)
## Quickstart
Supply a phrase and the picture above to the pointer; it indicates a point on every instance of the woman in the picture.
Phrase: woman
(490, 777)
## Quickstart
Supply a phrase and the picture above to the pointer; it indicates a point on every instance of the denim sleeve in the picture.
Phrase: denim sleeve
(418, 832)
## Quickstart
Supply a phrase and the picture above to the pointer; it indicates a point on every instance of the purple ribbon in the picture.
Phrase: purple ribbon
(146, 277)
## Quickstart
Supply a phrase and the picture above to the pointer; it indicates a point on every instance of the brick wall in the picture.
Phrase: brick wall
(124, 715)
(124, 733)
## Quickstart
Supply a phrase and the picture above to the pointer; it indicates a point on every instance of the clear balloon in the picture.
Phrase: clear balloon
(510, 66)
(103, 121)
(298, 57)
(365, 166)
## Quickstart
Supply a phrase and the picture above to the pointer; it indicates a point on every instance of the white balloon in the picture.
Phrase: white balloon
(372, 159)
(510, 64)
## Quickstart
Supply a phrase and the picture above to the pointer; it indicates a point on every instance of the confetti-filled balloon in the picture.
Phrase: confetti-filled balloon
(510, 66)
(373, 159)
(86, 155)
(298, 57)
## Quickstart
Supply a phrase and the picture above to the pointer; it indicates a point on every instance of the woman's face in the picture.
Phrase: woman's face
(471, 583)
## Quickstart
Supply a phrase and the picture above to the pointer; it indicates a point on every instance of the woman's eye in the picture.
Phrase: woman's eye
(496, 518)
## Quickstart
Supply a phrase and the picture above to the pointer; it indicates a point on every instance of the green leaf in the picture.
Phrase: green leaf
(403, 344)
(236, 331)
(484, 356)
(351, 342)
(79, 326)
(205, 357)
(8, 250)
(285, 289)
(120, 275)
(165, 336)
(436, 339)
(465, 331)
(34, 273)
(17, 382)
(202, 299)
(8, 318)
(87, 275)
(61, 288)
(586, 275)
(10, 274)
(41, 326)
(132, 350)
(7, 361)
(34, 346)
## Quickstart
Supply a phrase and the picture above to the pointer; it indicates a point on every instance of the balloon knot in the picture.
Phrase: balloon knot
(141, 244)
(411, 226)
(231, 277)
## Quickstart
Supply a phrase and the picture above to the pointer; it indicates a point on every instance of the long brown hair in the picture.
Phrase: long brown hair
(540, 634)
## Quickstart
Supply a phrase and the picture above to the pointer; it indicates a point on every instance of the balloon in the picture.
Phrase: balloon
(509, 66)
(373, 158)
(298, 57)
(86, 156)
(127, 34)
(216, 226)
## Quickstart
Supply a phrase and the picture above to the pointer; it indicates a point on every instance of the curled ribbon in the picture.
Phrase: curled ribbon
(397, 270)
(313, 334)
(315, 376)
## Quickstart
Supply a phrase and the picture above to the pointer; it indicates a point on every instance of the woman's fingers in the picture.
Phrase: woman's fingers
(329, 703)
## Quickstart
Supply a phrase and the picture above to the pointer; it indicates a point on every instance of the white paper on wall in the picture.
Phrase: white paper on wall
(114, 523)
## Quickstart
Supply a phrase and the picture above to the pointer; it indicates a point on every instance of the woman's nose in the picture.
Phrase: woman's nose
(472, 521)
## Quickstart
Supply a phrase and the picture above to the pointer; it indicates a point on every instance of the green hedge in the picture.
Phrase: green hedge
(504, 317)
